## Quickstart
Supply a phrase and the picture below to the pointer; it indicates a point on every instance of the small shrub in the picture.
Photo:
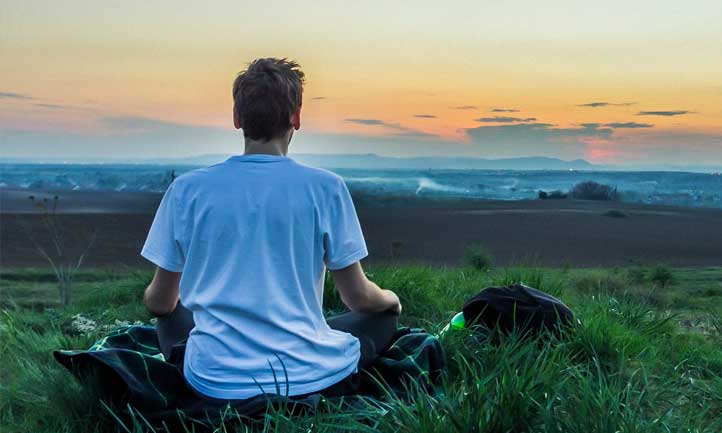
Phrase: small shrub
(715, 324)
(554, 195)
(636, 276)
(63, 263)
(661, 276)
(395, 248)
(597, 282)
(591, 190)
(615, 214)
(478, 257)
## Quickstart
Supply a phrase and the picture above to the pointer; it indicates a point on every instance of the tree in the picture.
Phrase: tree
(63, 263)
(591, 190)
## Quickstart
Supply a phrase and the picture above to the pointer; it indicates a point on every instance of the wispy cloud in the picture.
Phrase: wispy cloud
(411, 134)
(146, 137)
(48, 105)
(401, 130)
(367, 121)
(505, 119)
(425, 116)
(122, 136)
(617, 125)
(504, 110)
(541, 139)
(465, 107)
(53, 106)
(663, 113)
(13, 95)
(606, 104)
(316, 98)
(147, 125)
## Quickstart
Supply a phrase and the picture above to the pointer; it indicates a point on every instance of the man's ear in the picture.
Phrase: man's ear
(296, 119)
(236, 119)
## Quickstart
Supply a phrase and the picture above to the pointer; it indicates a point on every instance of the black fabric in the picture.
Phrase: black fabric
(174, 328)
(516, 307)
(133, 377)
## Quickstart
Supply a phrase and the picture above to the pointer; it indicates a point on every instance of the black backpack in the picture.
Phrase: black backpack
(519, 307)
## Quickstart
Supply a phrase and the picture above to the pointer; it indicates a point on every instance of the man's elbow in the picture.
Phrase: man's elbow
(156, 307)
(158, 311)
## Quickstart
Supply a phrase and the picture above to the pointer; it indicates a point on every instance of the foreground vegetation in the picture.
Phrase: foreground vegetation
(644, 357)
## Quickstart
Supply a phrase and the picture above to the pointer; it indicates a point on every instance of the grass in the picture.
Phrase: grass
(643, 358)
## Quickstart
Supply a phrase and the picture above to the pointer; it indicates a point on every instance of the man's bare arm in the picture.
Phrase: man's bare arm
(161, 295)
(360, 294)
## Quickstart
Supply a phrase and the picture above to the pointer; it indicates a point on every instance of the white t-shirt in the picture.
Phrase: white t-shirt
(253, 236)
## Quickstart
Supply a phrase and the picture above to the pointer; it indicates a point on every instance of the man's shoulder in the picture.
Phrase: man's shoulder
(195, 175)
(194, 179)
(319, 175)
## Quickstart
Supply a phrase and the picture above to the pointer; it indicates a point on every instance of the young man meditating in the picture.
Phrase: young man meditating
(242, 248)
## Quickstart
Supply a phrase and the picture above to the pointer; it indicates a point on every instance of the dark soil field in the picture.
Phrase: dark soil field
(533, 232)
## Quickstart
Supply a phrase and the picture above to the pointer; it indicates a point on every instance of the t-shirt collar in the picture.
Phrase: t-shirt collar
(259, 157)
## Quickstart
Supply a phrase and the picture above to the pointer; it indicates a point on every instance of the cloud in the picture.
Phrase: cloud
(125, 136)
(651, 147)
(594, 104)
(411, 134)
(13, 95)
(126, 125)
(539, 139)
(663, 113)
(465, 107)
(606, 104)
(425, 116)
(142, 137)
(402, 131)
(366, 121)
(316, 98)
(617, 125)
(22, 96)
(53, 106)
(504, 110)
(505, 119)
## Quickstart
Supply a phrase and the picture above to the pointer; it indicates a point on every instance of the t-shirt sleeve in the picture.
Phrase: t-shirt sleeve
(161, 246)
(343, 241)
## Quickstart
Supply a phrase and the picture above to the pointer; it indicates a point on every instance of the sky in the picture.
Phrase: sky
(613, 82)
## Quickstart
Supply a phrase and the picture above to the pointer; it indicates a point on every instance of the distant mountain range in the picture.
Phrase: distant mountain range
(384, 162)
(374, 161)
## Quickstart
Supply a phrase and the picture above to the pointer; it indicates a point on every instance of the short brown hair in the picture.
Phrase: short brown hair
(265, 96)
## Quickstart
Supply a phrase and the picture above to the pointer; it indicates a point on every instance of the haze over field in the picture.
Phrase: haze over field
(618, 83)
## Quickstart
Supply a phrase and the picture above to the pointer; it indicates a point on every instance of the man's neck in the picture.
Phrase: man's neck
(277, 146)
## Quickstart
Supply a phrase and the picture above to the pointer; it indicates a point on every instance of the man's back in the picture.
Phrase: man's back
(252, 237)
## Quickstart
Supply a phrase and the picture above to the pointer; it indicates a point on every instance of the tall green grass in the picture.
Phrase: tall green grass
(626, 366)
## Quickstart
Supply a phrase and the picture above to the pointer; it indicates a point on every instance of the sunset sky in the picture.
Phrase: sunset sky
(621, 82)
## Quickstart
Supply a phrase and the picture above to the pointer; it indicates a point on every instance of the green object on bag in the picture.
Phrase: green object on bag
(458, 321)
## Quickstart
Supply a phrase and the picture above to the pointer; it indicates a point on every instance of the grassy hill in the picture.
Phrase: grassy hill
(643, 358)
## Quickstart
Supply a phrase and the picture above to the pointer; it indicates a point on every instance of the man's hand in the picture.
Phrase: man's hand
(360, 294)
(161, 296)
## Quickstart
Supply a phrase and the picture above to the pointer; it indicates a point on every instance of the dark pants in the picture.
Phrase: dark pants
(374, 331)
